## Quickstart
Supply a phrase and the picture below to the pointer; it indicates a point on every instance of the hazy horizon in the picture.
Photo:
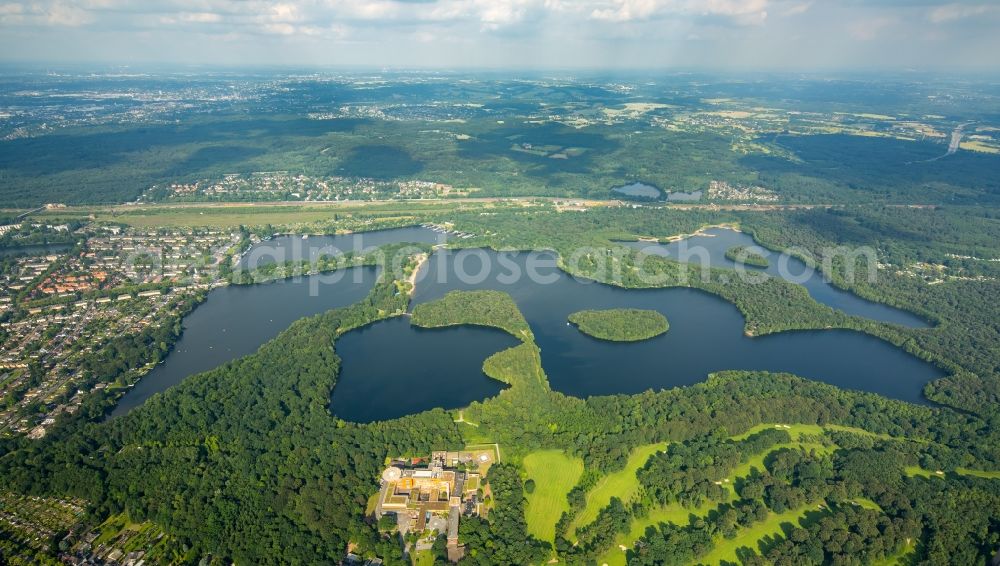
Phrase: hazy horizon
(763, 35)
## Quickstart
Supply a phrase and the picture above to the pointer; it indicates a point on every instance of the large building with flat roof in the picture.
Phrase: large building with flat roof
(433, 495)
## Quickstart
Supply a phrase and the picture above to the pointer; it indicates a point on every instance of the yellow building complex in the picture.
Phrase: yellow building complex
(434, 496)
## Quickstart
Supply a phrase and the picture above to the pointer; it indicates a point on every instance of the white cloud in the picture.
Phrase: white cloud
(955, 12)
(55, 13)
(486, 15)
(626, 11)
(870, 29)
(279, 29)
(467, 31)
(796, 8)
(200, 17)
(285, 12)
(732, 7)
(494, 14)
(740, 11)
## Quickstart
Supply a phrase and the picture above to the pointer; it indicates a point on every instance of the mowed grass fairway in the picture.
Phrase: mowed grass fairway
(913, 471)
(797, 430)
(622, 484)
(757, 460)
(554, 474)
(773, 526)
(673, 513)
(725, 549)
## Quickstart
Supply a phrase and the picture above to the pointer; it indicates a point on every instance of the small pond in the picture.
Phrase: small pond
(641, 190)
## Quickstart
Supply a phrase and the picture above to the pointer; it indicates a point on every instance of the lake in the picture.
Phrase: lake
(236, 320)
(706, 335)
(646, 191)
(443, 367)
(296, 248)
(716, 241)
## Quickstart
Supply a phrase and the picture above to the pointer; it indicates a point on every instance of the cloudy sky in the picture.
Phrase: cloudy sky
(747, 34)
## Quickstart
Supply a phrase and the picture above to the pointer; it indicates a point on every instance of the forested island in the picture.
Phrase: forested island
(746, 256)
(620, 325)
(844, 464)
(250, 462)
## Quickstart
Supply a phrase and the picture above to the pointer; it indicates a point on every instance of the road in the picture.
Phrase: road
(953, 145)
(125, 209)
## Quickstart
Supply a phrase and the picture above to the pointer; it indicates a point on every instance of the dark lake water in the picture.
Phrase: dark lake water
(706, 335)
(639, 190)
(443, 367)
(236, 320)
(296, 248)
(717, 241)
(646, 191)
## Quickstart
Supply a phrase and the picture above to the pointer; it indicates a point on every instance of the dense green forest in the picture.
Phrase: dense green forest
(484, 308)
(246, 463)
(746, 256)
(686, 471)
(620, 325)
(504, 538)
(838, 529)
(962, 309)
(516, 156)
(830, 165)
